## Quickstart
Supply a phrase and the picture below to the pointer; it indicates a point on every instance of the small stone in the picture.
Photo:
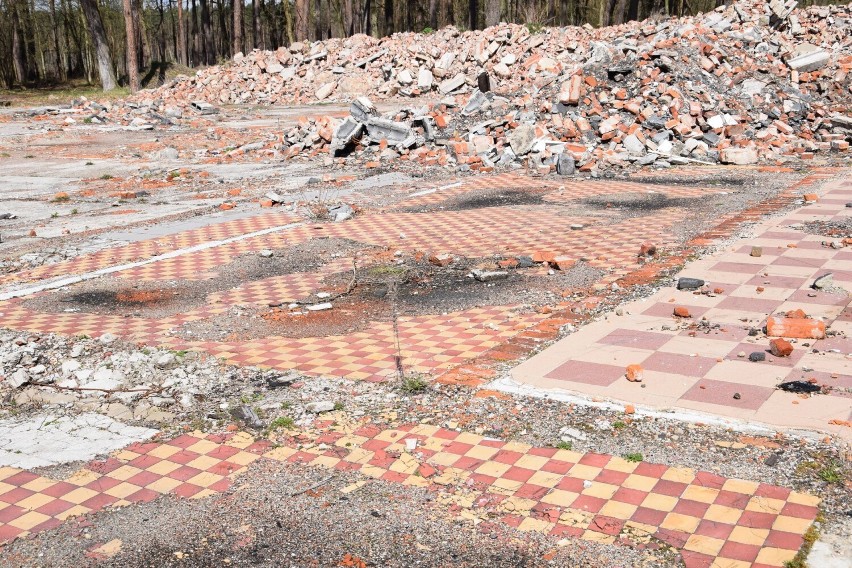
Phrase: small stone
(757, 356)
(634, 373)
(681, 312)
(107, 338)
(576, 226)
(266, 253)
(737, 396)
(780, 347)
(166, 361)
(756, 251)
(18, 378)
(689, 283)
(741, 354)
(320, 307)
(490, 275)
(824, 281)
(247, 415)
(320, 406)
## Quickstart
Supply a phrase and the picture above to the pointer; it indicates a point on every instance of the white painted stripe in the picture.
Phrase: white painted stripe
(52, 285)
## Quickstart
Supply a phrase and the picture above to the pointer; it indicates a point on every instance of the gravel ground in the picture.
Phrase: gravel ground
(260, 522)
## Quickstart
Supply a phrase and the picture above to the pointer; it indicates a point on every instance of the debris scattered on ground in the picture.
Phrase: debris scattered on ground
(738, 85)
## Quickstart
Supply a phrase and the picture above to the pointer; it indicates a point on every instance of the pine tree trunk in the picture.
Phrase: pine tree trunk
(238, 26)
(18, 58)
(492, 12)
(301, 25)
(130, 32)
(102, 54)
(181, 54)
(473, 14)
(207, 34)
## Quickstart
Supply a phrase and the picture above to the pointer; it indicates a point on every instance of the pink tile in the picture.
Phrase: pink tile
(636, 339)
(722, 393)
(791, 282)
(736, 267)
(666, 309)
(678, 364)
(749, 304)
(587, 373)
(809, 296)
(748, 348)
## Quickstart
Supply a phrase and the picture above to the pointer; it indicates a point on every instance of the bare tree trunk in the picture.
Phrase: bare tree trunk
(347, 18)
(207, 34)
(492, 12)
(473, 14)
(130, 32)
(238, 25)
(368, 17)
(54, 25)
(433, 14)
(96, 30)
(388, 20)
(301, 25)
(181, 52)
(257, 41)
(18, 58)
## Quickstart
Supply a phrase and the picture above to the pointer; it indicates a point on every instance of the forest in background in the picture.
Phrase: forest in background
(49, 42)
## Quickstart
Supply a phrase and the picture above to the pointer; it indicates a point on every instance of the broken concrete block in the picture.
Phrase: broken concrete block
(424, 79)
(203, 107)
(807, 57)
(453, 84)
(348, 131)
(362, 109)
(738, 156)
(384, 129)
(475, 103)
(521, 139)
(324, 91)
(404, 77)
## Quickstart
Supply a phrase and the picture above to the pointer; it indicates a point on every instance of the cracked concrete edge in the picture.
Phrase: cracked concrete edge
(509, 386)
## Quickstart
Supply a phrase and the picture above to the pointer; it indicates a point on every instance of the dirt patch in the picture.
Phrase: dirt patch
(641, 204)
(382, 290)
(483, 199)
(831, 229)
(120, 296)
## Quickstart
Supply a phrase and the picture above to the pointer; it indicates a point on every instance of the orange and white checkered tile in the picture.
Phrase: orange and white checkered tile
(712, 520)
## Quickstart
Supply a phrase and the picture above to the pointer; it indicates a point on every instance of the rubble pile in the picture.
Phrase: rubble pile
(746, 82)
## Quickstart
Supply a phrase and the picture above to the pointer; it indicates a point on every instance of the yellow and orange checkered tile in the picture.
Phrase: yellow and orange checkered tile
(711, 519)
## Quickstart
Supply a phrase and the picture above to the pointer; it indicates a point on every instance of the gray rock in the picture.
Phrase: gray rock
(362, 109)
(341, 212)
(424, 79)
(248, 416)
(320, 406)
(266, 253)
(18, 378)
(689, 283)
(757, 356)
(633, 145)
(489, 275)
(166, 361)
(824, 281)
(565, 165)
(521, 139)
(107, 338)
(168, 154)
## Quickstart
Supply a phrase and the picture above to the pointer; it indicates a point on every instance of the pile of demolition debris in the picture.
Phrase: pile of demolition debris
(746, 82)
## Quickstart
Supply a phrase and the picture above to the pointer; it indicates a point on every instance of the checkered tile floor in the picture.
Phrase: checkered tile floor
(428, 343)
(710, 519)
(141, 250)
(702, 369)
